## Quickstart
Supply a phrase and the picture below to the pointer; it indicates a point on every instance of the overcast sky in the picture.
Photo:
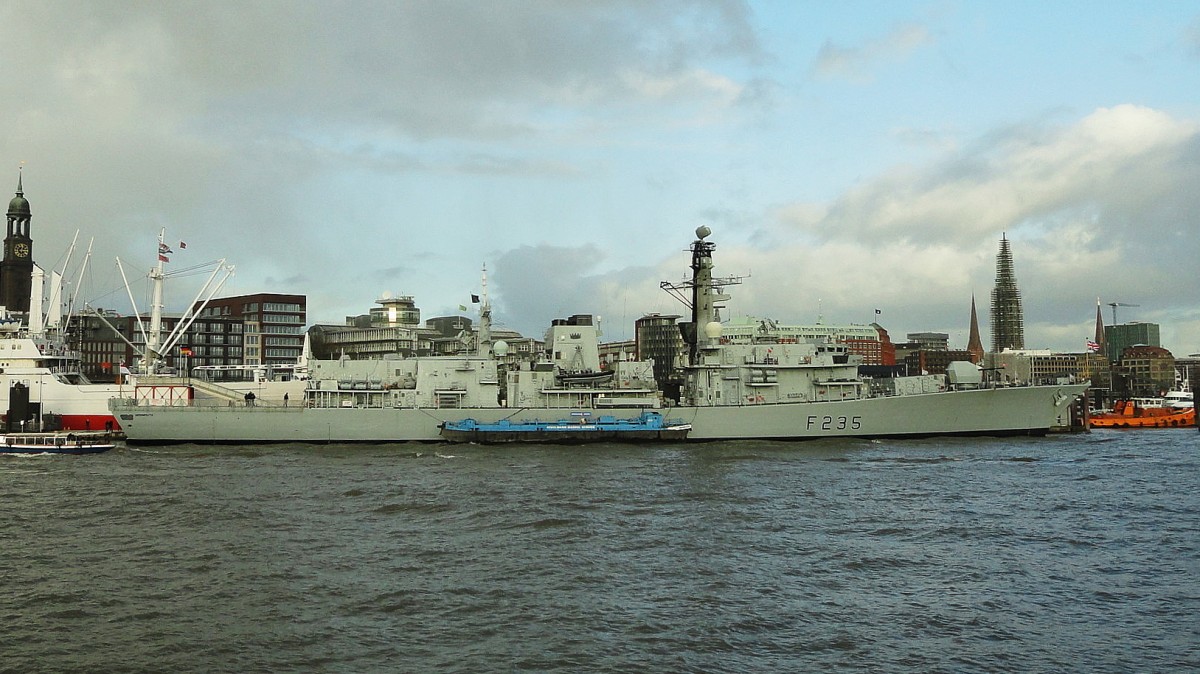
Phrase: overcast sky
(848, 156)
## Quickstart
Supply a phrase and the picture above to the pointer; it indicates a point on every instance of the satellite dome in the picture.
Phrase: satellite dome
(500, 348)
(703, 231)
(712, 330)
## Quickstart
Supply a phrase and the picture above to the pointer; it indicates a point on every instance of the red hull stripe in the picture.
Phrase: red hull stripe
(89, 422)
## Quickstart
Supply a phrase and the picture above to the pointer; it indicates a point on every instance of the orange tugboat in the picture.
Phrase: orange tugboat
(1176, 410)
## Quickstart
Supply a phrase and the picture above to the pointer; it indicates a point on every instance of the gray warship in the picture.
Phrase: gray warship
(755, 389)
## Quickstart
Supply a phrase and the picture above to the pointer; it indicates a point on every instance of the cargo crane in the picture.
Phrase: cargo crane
(1114, 306)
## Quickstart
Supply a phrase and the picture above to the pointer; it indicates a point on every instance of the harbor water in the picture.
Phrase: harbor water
(1072, 553)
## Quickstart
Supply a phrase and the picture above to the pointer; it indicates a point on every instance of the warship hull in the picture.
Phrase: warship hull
(1032, 410)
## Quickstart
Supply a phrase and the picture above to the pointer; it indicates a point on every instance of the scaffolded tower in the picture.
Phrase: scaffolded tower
(1008, 322)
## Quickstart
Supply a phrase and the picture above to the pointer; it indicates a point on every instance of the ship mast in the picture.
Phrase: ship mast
(154, 339)
(485, 320)
(706, 294)
(156, 345)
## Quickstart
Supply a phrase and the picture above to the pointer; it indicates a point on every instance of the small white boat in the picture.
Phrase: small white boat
(55, 443)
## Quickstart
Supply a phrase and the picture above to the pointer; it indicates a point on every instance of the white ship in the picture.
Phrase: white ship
(761, 389)
(42, 385)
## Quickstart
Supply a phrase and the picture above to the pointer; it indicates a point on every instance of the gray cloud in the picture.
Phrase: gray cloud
(354, 147)
(1101, 207)
(250, 128)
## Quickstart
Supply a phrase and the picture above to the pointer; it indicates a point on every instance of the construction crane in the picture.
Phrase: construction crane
(1114, 306)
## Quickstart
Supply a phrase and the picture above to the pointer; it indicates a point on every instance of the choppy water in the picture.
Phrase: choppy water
(1071, 553)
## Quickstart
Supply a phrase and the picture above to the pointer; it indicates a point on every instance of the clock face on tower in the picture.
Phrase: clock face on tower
(21, 250)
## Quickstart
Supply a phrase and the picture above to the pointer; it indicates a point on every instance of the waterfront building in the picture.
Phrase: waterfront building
(1096, 368)
(887, 350)
(102, 350)
(930, 341)
(1008, 321)
(1032, 366)
(395, 310)
(932, 361)
(877, 351)
(394, 329)
(1117, 338)
(1188, 368)
(107, 341)
(367, 342)
(1144, 371)
(273, 325)
(612, 353)
(869, 341)
(657, 338)
(744, 329)
(450, 334)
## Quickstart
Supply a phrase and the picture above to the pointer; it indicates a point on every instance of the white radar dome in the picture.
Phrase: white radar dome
(712, 330)
(500, 348)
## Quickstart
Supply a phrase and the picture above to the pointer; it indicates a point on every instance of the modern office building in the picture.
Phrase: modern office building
(657, 337)
(1117, 338)
(108, 341)
(273, 326)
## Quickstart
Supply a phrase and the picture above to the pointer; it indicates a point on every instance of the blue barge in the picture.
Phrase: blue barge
(650, 426)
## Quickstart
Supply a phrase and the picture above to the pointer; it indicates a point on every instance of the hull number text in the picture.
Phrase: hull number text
(830, 423)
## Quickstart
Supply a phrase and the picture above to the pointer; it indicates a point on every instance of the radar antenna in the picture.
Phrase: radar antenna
(706, 292)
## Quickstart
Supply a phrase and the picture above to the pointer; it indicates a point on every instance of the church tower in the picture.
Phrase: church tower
(16, 269)
(974, 342)
(1008, 322)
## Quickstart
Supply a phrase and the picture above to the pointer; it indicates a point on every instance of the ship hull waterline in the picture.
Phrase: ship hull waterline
(982, 412)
